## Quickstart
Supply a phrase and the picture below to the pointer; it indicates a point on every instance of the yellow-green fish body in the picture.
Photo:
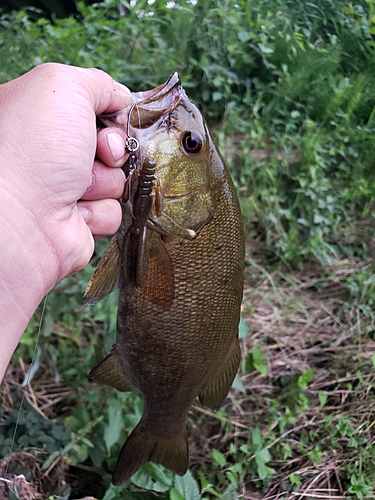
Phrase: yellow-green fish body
(180, 279)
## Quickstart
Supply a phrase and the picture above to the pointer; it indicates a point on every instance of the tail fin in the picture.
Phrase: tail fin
(141, 447)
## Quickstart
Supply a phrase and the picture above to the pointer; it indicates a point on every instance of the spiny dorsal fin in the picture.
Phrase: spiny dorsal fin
(159, 286)
(215, 392)
(106, 275)
(110, 372)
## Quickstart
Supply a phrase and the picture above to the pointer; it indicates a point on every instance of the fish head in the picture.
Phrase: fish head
(170, 129)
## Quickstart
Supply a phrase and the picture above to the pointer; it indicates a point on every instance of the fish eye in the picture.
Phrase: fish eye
(192, 143)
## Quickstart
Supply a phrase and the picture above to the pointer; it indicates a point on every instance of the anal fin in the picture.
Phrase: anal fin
(110, 372)
(215, 392)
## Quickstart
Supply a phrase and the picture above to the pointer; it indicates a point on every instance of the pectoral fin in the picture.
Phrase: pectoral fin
(215, 392)
(159, 286)
(105, 278)
(109, 372)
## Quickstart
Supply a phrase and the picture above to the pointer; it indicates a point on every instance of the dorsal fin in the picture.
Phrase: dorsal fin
(217, 389)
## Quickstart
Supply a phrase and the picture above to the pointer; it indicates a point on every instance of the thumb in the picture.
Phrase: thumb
(105, 93)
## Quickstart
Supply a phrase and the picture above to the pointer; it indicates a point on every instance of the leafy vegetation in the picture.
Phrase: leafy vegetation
(288, 88)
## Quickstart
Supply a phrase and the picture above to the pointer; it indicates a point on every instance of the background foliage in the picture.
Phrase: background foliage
(288, 88)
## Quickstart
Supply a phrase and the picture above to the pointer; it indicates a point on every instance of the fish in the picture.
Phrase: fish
(178, 262)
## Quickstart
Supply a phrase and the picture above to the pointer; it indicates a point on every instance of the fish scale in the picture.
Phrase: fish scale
(177, 333)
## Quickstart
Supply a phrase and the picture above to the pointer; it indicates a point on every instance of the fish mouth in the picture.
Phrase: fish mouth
(153, 95)
(150, 105)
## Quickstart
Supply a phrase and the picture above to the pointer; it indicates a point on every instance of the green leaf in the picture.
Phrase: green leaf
(243, 330)
(218, 457)
(203, 480)
(264, 455)
(117, 493)
(243, 36)
(121, 493)
(153, 477)
(263, 48)
(73, 423)
(258, 361)
(81, 452)
(175, 495)
(322, 398)
(115, 424)
(256, 438)
(238, 384)
(261, 468)
(97, 455)
(305, 378)
(230, 493)
(295, 479)
(59, 433)
(187, 486)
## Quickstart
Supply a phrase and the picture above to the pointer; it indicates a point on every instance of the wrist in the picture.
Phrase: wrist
(28, 262)
(28, 269)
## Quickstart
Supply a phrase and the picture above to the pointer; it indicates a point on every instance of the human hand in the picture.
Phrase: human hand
(54, 194)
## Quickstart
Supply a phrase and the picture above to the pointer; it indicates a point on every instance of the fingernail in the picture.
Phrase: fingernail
(116, 145)
(92, 182)
(85, 212)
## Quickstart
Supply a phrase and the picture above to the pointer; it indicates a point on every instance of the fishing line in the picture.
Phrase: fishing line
(27, 381)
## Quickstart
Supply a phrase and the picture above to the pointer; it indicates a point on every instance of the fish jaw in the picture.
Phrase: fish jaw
(168, 90)
(148, 106)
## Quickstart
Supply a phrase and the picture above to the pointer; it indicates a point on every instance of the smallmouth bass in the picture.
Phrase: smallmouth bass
(177, 260)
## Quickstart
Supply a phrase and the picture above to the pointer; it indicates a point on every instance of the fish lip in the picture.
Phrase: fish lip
(150, 105)
(153, 95)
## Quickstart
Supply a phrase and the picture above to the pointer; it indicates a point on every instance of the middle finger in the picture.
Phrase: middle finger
(106, 182)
